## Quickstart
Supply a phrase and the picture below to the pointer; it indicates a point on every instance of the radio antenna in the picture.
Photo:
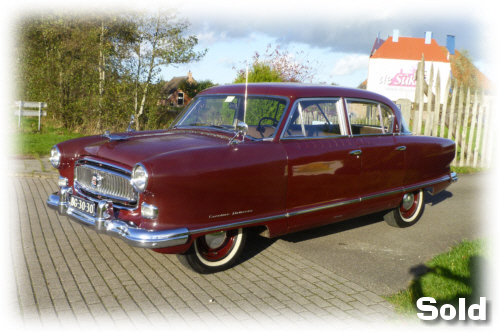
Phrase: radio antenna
(246, 94)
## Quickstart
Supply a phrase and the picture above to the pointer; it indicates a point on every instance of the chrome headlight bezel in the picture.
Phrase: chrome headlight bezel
(55, 157)
(139, 178)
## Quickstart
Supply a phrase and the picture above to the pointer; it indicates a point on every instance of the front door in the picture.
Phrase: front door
(323, 165)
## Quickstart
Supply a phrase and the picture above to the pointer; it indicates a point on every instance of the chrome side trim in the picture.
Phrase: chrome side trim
(313, 137)
(323, 207)
(373, 134)
(315, 209)
(104, 223)
(237, 224)
(401, 148)
(431, 182)
(454, 177)
(384, 194)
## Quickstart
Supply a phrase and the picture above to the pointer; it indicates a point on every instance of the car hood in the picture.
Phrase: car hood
(129, 149)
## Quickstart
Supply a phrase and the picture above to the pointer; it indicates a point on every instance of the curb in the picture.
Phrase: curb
(35, 174)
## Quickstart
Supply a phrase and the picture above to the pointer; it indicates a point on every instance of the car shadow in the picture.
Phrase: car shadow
(436, 199)
(255, 244)
(334, 228)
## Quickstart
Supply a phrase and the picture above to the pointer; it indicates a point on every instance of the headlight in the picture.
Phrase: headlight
(139, 178)
(55, 157)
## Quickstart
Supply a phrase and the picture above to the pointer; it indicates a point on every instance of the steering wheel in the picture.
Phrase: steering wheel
(262, 128)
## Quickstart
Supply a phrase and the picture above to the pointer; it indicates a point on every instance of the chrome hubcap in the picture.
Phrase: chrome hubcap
(408, 201)
(216, 239)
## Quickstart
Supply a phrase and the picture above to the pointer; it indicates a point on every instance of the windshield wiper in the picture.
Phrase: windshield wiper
(199, 124)
(226, 127)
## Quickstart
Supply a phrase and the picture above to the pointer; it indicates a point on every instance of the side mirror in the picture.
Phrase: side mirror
(241, 129)
(129, 128)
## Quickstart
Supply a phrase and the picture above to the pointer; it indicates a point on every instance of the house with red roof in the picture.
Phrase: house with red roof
(172, 95)
(393, 64)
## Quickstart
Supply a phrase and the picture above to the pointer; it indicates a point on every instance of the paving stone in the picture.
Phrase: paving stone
(69, 275)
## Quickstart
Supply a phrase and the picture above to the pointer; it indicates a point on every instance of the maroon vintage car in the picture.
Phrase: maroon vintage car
(278, 158)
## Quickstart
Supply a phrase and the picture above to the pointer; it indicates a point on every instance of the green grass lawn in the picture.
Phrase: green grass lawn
(446, 278)
(31, 143)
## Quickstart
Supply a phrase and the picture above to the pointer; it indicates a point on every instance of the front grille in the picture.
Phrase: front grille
(101, 182)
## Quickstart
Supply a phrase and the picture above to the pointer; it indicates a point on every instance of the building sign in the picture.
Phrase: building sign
(396, 79)
(400, 79)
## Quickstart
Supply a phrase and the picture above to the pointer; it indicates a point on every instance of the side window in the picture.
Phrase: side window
(315, 118)
(369, 117)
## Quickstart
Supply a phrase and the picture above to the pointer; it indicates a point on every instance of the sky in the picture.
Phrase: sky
(335, 36)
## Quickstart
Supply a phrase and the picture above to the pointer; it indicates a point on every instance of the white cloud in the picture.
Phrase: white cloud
(350, 64)
(207, 38)
(227, 62)
(347, 28)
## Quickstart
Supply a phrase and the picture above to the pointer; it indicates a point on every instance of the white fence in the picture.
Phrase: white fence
(30, 113)
(469, 120)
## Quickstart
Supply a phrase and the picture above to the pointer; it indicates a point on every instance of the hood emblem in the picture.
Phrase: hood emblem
(96, 180)
(115, 137)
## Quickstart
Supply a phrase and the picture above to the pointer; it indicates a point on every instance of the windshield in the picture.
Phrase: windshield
(263, 113)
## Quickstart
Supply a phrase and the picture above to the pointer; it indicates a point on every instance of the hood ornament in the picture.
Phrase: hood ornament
(132, 120)
(115, 137)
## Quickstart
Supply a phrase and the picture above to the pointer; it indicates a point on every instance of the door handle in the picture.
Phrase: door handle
(401, 148)
(355, 152)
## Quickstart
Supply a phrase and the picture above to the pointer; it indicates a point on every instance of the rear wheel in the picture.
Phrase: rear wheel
(214, 252)
(409, 211)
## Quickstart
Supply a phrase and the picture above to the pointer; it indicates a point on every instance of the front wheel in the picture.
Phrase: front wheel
(214, 252)
(409, 211)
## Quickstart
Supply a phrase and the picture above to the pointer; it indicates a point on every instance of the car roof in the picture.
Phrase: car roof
(295, 91)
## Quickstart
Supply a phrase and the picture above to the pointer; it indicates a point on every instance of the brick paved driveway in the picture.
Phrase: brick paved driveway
(67, 275)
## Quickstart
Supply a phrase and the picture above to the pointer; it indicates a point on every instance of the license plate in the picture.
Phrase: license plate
(85, 206)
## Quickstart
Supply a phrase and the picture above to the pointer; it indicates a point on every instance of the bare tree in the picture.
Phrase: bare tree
(291, 67)
(159, 42)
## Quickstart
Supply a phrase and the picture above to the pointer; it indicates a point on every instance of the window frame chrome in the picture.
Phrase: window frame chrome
(341, 114)
(393, 122)
(195, 100)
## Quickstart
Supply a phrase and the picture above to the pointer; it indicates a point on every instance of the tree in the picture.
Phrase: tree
(191, 89)
(259, 72)
(74, 63)
(91, 70)
(114, 34)
(158, 43)
(464, 71)
(57, 60)
(290, 67)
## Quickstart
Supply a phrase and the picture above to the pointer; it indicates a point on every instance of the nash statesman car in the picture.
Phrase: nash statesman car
(277, 158)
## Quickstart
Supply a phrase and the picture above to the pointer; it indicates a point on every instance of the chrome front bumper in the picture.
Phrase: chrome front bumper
(104, 223)
(454, 177)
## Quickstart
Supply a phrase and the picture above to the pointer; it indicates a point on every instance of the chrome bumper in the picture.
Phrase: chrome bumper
(454, 177)
(104, 223)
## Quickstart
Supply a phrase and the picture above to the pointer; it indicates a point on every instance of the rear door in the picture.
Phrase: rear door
(382, 158)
